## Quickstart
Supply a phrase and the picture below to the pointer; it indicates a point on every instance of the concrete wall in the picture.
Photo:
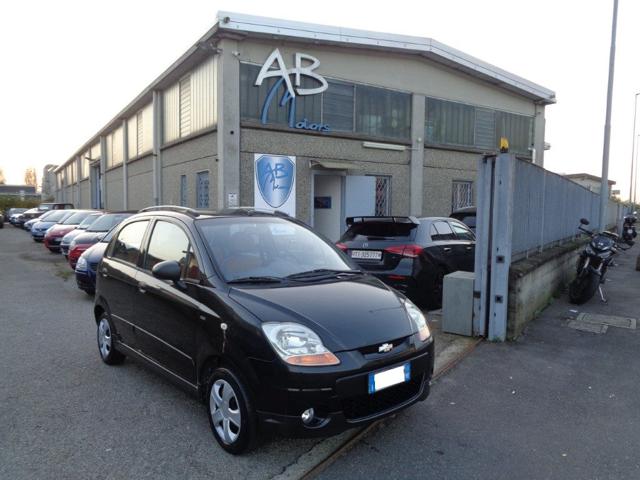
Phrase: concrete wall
(534, 281)
(85, 193)
(188, 158)
(140, 183)
(307, 148)
(441, 168)
(115, 189)
(401, 72)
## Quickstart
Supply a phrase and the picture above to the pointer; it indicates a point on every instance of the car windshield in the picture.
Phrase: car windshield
(76, 218)
(88, 221)
(382, 229)
(266, 247)
(55, 216)
(107, 222)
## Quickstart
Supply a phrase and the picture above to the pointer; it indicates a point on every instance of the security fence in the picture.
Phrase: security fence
(522, 209)
(547, 209)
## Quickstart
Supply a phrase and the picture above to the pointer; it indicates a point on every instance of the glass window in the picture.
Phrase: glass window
(382, 196)
(462, 232)
(337, 106)
(168, 242)
(461, 194)
(384, 228)
(441, 230)
(266, 246)
(127, 245)
(76, 218)
(202, 193)
(107, 222)
(449, 123)
(518, 129)
(383, 113)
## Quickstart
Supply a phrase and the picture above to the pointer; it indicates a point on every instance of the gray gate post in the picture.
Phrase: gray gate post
(501, 246)
(483, 227)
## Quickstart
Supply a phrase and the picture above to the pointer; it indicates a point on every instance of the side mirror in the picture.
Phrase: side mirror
(584, 221)
(167, 270)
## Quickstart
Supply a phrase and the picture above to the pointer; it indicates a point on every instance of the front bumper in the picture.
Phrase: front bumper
(52, 243)
(340, 398)
(86, 280)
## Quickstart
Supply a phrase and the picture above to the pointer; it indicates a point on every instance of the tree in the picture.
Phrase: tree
(30, 177)
(2, 179)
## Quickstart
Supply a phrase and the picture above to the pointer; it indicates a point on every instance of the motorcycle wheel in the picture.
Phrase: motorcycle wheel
(583, 288)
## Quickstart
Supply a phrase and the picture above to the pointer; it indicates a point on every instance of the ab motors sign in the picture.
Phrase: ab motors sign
(274, 184)
(305, 66)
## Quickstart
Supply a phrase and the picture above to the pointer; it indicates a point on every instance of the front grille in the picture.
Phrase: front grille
(367, 405)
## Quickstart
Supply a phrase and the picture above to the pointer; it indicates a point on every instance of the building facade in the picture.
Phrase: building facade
(590, 182)
(321, 122)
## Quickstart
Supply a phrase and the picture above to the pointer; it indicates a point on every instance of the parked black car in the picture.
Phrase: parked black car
(270, 324)
(466, 215)
(411, 254)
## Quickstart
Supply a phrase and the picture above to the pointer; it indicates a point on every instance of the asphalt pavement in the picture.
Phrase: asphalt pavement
(559, 403)
(65, 414)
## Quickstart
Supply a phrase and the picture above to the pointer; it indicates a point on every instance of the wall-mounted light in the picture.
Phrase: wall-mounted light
(384, 146)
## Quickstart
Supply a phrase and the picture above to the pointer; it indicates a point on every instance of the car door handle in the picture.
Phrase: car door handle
(142, 287)
(446, 249)
(469, 247)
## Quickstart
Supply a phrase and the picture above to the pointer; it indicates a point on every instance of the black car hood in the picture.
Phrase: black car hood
(347, 314)
(89, 237)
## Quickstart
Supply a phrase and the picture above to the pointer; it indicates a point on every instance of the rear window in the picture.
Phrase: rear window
(381, 230)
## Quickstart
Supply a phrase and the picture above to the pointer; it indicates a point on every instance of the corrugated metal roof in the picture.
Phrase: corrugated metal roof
(276, 28)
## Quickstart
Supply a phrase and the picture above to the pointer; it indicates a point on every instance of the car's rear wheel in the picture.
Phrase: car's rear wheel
(434, 298)
(231, 414)
(106, 342)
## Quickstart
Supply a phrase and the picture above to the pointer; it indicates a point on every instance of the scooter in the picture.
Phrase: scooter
(593, 263)
(629, 228)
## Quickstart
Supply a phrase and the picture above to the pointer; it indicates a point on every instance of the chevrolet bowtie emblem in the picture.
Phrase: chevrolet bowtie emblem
(385, 347)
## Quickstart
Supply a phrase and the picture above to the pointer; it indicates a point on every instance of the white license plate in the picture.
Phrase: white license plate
(387, 378)
(366, 254)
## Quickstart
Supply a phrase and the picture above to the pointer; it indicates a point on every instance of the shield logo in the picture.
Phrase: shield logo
(275, 176)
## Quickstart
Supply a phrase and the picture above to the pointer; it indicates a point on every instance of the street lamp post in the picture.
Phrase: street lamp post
(632, 187)
(604, 181)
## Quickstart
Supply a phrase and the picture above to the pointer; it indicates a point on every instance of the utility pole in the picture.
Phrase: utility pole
(632, 187)
(604, 181)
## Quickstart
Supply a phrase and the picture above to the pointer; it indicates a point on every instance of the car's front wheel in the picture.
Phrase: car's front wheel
(106, 342)
(231, 413)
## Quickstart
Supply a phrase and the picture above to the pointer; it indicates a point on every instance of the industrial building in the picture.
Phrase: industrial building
(322, 122)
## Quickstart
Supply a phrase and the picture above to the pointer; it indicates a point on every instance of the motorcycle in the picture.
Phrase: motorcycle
(628, 227)
(592, 265)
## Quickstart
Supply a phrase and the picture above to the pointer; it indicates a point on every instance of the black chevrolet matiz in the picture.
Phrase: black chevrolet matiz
(270, 324)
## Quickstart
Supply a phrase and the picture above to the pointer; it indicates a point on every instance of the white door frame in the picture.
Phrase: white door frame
(335, 173)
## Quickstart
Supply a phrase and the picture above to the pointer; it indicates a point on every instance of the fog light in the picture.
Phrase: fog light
(307, 416)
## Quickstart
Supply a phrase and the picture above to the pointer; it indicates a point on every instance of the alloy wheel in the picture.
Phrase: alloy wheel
(104, 338)
(225, 411)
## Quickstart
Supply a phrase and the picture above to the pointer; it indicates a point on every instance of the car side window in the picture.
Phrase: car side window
(127, 245)
(441, 231)
(170, 242)
(462, 232)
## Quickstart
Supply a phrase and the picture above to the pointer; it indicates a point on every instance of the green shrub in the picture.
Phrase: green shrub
(11, 201)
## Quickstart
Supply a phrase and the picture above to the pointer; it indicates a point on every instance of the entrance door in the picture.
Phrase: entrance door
(327, 205)
(96, 201)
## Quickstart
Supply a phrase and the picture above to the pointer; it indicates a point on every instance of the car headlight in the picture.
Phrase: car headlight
(82, 264)
(418, 319)
(298, 345)
(72, 245)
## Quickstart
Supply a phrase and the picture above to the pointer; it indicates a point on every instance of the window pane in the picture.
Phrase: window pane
(382, 196)
(441, 231)
(193, 270)
(202, 190)
(462, 232)
(337, 106)
(127, 245)
(252, 97)
(518, 129)
(383, 113)
(485, 129)
(449, 123)
(168, 242)
(462, 195)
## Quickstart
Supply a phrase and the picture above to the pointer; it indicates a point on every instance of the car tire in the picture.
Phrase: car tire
(106, 342)
(231, 415)
(434, 297)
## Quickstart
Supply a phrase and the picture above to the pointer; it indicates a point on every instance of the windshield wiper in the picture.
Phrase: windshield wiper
(256, 279)
(323, 272)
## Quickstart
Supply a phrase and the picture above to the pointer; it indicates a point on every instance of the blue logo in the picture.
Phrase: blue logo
(275, 176)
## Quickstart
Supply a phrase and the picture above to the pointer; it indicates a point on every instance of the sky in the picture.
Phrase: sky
(69, 66)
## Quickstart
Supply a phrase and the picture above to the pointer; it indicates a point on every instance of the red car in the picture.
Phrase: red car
(54, 234)
(94, 234)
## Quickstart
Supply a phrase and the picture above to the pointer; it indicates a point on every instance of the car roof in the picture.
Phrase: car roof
(177, 211)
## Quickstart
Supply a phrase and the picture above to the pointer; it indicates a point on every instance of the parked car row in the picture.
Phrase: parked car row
(272, 326)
